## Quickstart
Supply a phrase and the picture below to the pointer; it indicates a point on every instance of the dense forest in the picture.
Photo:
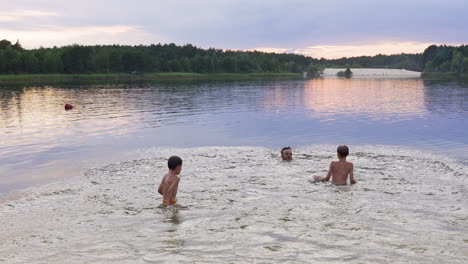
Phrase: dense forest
(14, 59)
(433, 59)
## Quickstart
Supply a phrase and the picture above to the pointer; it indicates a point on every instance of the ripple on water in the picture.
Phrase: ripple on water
(241, 204)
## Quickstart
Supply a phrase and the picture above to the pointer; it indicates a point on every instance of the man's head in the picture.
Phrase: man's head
(286, 153)
(342, 151)
(175, 164)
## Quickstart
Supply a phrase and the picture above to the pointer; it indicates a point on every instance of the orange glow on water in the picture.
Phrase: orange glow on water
(377, 96)
(329, 97)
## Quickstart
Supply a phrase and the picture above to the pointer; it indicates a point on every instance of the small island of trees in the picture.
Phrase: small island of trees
(346, 74)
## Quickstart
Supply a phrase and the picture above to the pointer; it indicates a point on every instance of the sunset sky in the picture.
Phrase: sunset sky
(329, 29)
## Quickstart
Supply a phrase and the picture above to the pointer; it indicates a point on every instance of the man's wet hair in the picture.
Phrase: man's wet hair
(342, 150)
(285, 148)
(173, 162)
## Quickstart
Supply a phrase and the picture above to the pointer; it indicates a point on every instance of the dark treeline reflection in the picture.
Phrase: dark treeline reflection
(14, 59)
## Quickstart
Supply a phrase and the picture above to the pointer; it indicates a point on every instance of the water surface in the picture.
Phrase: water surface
(103, 160)
(243, 205)
(40, 141)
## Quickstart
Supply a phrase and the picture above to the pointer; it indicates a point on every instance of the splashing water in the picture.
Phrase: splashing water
(243, 205)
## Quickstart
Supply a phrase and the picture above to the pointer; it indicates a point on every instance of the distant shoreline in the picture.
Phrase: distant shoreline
(373, 72)
(118, 77)
(12, 79)
(444, 76)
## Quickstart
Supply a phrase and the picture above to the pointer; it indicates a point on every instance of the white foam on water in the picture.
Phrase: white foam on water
(243, 205)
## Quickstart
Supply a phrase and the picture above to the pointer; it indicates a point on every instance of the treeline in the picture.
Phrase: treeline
(411, 62)
(138, 59)
(446, 59)
(14, 59)
(433, 59)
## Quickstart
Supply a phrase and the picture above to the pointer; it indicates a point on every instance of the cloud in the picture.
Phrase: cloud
(292, 25)
(272, 50)
(339, 51)
(22, 14)
(86, 35)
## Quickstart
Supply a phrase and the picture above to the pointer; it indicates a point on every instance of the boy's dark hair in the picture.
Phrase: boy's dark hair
(342, 150)
(285, 148)
(173, 162)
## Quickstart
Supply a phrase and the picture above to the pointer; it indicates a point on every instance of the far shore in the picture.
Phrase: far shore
(443, 76)
(373, 73)
(11, 79)
(119, 77)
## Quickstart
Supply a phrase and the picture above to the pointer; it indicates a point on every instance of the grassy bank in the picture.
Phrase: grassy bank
(118, 77)
(443, 76)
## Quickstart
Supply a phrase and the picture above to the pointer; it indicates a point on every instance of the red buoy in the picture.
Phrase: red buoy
(68, 107)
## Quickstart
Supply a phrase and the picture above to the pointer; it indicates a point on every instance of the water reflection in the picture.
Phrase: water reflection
(374, 99)
(441, 100)
(171, 215)
(37, 114)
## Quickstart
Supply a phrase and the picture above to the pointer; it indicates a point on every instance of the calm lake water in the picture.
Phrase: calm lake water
(91, 173)
(39, 140)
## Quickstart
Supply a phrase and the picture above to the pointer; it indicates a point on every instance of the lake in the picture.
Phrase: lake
(91, 173)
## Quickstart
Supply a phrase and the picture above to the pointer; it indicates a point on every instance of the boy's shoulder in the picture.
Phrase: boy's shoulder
(172, 177)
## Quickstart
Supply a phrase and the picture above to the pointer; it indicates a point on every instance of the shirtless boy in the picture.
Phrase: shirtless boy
(170, 181)
(339, 170)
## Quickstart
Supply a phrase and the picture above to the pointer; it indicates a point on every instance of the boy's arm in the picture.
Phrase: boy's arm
(172, 190)
(160, 189)
(327, 178)
(351, 175)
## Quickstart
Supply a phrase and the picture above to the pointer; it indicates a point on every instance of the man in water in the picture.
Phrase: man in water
(340, 169)
(170, 182)
(286, 153)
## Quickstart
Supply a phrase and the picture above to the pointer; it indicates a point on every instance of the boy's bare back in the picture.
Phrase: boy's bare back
(339, 170)
(168, 188)
(170, 182)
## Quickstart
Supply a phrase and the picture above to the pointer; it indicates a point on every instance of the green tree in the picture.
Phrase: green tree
(18, 46)
(132, 61)
(465, 65)
(229, 64)
(314, 70)
(77, 59)
(12, 59)
(30, 63)
(102, 61)
(457, 62)
(347, 73)
(115, 61)
(4, 44)
(53, 62)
